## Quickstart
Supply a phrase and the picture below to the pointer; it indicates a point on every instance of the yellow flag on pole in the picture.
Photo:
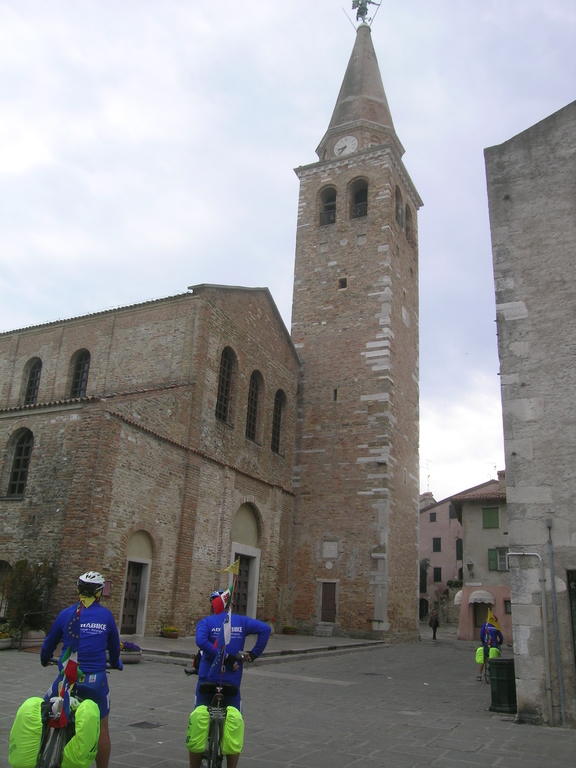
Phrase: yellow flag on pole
(491, 619)
(234, 568)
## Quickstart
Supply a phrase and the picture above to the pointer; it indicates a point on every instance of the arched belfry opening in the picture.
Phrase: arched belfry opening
(139, 556)
(245, 535)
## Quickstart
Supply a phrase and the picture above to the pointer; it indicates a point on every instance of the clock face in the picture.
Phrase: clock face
(345, 145)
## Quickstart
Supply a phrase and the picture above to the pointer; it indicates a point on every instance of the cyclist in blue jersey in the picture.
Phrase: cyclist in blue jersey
(490, 637)
(222, 664)
(88, 629)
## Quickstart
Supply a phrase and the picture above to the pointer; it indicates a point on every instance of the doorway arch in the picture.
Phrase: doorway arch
(245, 535)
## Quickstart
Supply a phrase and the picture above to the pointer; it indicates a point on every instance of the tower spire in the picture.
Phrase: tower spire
(362, 105)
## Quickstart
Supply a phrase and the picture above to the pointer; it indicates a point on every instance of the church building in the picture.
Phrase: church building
(159, 442)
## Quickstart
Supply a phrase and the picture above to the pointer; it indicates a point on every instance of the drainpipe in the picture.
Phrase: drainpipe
(556, 632)
(544, 628)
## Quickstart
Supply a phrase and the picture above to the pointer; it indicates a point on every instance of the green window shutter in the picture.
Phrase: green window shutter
(492, 559)
(490, 517)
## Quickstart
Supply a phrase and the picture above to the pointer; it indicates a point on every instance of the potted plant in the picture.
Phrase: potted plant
(169, 630)
(5, 639)
(130, 653)
(290, 629)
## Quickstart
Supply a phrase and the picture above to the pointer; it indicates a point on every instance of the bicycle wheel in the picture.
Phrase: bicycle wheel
(215, 756)
(51, 756)
(487, 671)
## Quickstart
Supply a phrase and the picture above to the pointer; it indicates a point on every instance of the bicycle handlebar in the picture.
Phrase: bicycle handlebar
(55, 662)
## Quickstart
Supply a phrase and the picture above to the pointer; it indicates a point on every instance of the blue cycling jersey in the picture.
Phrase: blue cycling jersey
(207, 632)
(98, 634)
(490, 636)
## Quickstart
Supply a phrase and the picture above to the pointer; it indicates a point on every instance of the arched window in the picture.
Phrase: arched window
(34, 368)
(399, 208)
(277, 422)
(225, 385)
(327, 206)
(358, 199)
(20, 463)
(80, 369)
(254, 396)
(410, 234)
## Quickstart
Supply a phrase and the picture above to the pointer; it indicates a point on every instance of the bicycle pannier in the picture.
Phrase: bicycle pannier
(233, 735)
(197, 733)
(80, 752)
(480, 655)
(26, 734)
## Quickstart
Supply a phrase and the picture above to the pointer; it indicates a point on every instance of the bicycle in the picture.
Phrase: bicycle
(486, 668)
(55, 737)
(213, 756)
(56, 734)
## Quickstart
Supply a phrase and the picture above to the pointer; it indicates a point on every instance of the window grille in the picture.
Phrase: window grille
(224, 385)
(252, 411)
(80, 374)
(279, 401)
(33, 384)
(328, 207)
(20, 464)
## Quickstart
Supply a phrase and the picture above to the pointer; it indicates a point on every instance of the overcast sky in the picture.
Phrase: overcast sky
(149, 145)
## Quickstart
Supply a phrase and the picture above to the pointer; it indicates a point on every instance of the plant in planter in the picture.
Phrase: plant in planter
(169, 630)
(5, 639)
(130, 653)
(290, 629)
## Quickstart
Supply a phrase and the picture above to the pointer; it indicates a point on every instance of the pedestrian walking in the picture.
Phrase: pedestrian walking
(433, 622)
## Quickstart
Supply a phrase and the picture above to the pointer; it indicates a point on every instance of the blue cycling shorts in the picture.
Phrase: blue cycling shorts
(94, 687)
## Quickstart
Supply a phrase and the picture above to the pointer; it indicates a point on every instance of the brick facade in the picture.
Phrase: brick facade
(143, 451)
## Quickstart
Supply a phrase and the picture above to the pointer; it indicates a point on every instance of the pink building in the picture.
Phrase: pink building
(440, 550)
(483, 514)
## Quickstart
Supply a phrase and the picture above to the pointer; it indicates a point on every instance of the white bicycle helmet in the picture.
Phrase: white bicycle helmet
(90, 583)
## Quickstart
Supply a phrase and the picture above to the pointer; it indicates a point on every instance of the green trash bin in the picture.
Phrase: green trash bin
(503, 685)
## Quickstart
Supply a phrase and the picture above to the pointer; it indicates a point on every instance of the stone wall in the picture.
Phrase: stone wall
(532, 201)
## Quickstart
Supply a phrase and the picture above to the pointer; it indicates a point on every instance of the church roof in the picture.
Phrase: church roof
(362, 96)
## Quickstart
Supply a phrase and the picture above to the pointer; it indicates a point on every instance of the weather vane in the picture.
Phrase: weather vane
(362, 6)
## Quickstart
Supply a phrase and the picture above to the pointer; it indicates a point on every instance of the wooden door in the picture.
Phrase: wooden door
(240, 601)
(131, 598)
(328, 612)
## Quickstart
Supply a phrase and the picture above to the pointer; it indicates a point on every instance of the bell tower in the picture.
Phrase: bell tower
(355, 326)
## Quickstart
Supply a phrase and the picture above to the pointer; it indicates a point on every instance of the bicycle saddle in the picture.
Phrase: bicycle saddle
(209, 689)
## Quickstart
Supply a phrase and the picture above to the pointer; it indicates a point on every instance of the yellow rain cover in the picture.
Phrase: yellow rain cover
(80, 752)
(233, 735)
(26, 734)
(197, 732)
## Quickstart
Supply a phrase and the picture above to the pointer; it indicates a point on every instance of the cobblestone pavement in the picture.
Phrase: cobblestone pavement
(382, 706)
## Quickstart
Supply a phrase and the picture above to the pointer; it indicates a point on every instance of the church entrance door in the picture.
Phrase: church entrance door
(131, 598)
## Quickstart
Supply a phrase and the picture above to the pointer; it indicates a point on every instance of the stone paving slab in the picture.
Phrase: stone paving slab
(382, 706)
